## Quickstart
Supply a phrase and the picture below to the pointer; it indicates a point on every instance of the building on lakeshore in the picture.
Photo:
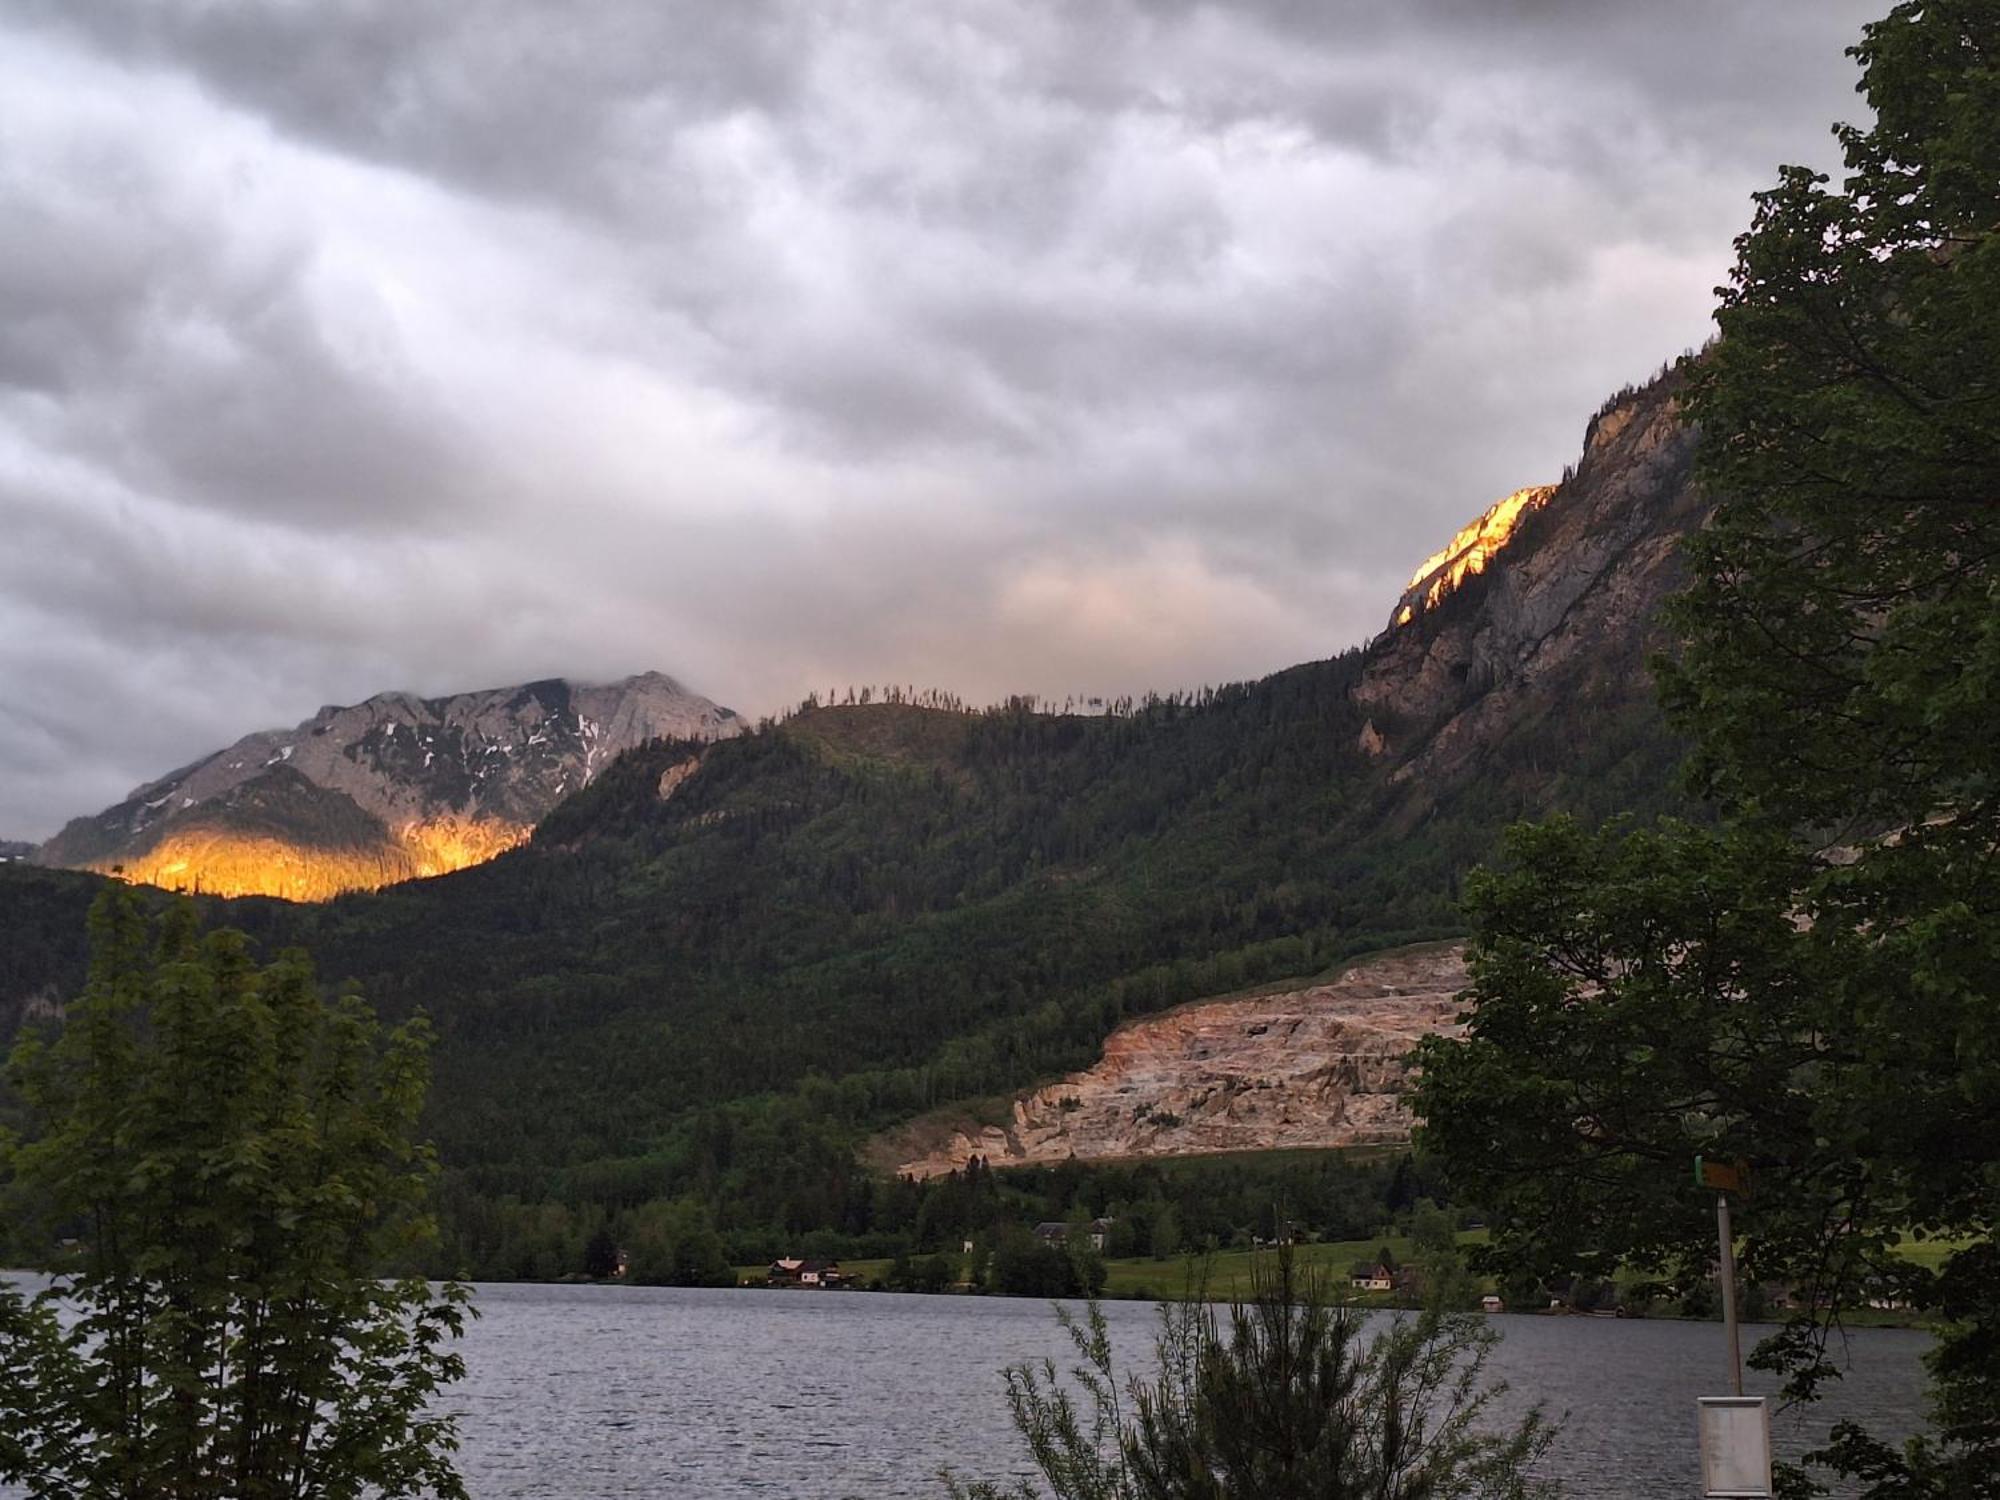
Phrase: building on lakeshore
(1372, 1276)
(792, 1270)
(1056, 1232)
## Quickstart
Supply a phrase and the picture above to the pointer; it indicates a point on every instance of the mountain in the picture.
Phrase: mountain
(1527, 681)
(1541, 612)
(387, 790)
(721, 968)
(13, 849)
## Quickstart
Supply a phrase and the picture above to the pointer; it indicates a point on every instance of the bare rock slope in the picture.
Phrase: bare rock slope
(1323, 1066)
(386, 790)
(1543, 608)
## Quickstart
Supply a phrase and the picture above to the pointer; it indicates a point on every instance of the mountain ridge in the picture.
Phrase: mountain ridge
(1558, 619)
(392, 788)
(1560, 629)
(722, 967)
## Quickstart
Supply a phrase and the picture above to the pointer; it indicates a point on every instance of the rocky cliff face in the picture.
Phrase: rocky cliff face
(386, 790)
(1322, 1066)
(1542, 608)
(1468, 552)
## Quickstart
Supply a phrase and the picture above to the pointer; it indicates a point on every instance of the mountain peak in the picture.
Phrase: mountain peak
(1569, 577)
(393, 787)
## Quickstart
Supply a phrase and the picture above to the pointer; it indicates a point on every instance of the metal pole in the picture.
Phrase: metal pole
(1729, 1291)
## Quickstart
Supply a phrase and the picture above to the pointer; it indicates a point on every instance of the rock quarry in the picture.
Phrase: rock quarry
(1321, 1066)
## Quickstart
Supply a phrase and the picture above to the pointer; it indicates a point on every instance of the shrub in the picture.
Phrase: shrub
(1286, 1399)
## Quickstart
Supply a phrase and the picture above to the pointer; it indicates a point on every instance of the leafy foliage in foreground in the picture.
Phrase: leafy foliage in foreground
(1290, 1401)
(229, 1160)
(1812, 987)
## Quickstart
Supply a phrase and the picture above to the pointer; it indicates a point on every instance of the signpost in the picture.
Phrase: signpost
(1735, 1429)
(1727, 1178)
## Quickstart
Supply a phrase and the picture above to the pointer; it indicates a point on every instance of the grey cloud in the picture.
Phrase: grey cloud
(1001, 346)
(535, 101)
(143, 338)
(264, 416)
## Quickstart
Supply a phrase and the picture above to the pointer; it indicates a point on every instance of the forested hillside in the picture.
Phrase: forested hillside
(719, 966)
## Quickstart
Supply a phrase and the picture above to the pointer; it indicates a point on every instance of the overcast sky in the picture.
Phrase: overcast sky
(1082, 346)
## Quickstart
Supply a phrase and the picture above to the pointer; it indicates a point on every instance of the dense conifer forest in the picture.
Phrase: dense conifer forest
(868, 910)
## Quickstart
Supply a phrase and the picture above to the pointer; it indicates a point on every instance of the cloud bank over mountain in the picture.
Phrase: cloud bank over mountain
(1008, 347)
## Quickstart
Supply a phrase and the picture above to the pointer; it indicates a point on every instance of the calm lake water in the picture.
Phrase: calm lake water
(587, 1393)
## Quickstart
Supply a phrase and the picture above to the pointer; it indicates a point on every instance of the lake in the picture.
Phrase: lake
(589, 1392)
(593, 1392)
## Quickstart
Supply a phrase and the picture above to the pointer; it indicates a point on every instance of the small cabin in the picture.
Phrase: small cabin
(792, 1270)
(1372, 1276)
(1491, 1304)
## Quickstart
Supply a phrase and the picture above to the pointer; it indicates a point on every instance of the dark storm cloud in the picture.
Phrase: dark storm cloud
(1001, 346)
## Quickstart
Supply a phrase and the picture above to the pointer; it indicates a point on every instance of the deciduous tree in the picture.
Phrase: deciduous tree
(228, 1159)
(1814, 986)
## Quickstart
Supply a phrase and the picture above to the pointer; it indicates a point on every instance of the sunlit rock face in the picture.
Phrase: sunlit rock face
(1323, 1066)
(1543, 610)
(391, 789)
(221, 863)
(1468, 552)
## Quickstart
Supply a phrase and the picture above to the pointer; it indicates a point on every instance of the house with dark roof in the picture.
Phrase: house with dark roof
(1372, 1276)
(792, 1270)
